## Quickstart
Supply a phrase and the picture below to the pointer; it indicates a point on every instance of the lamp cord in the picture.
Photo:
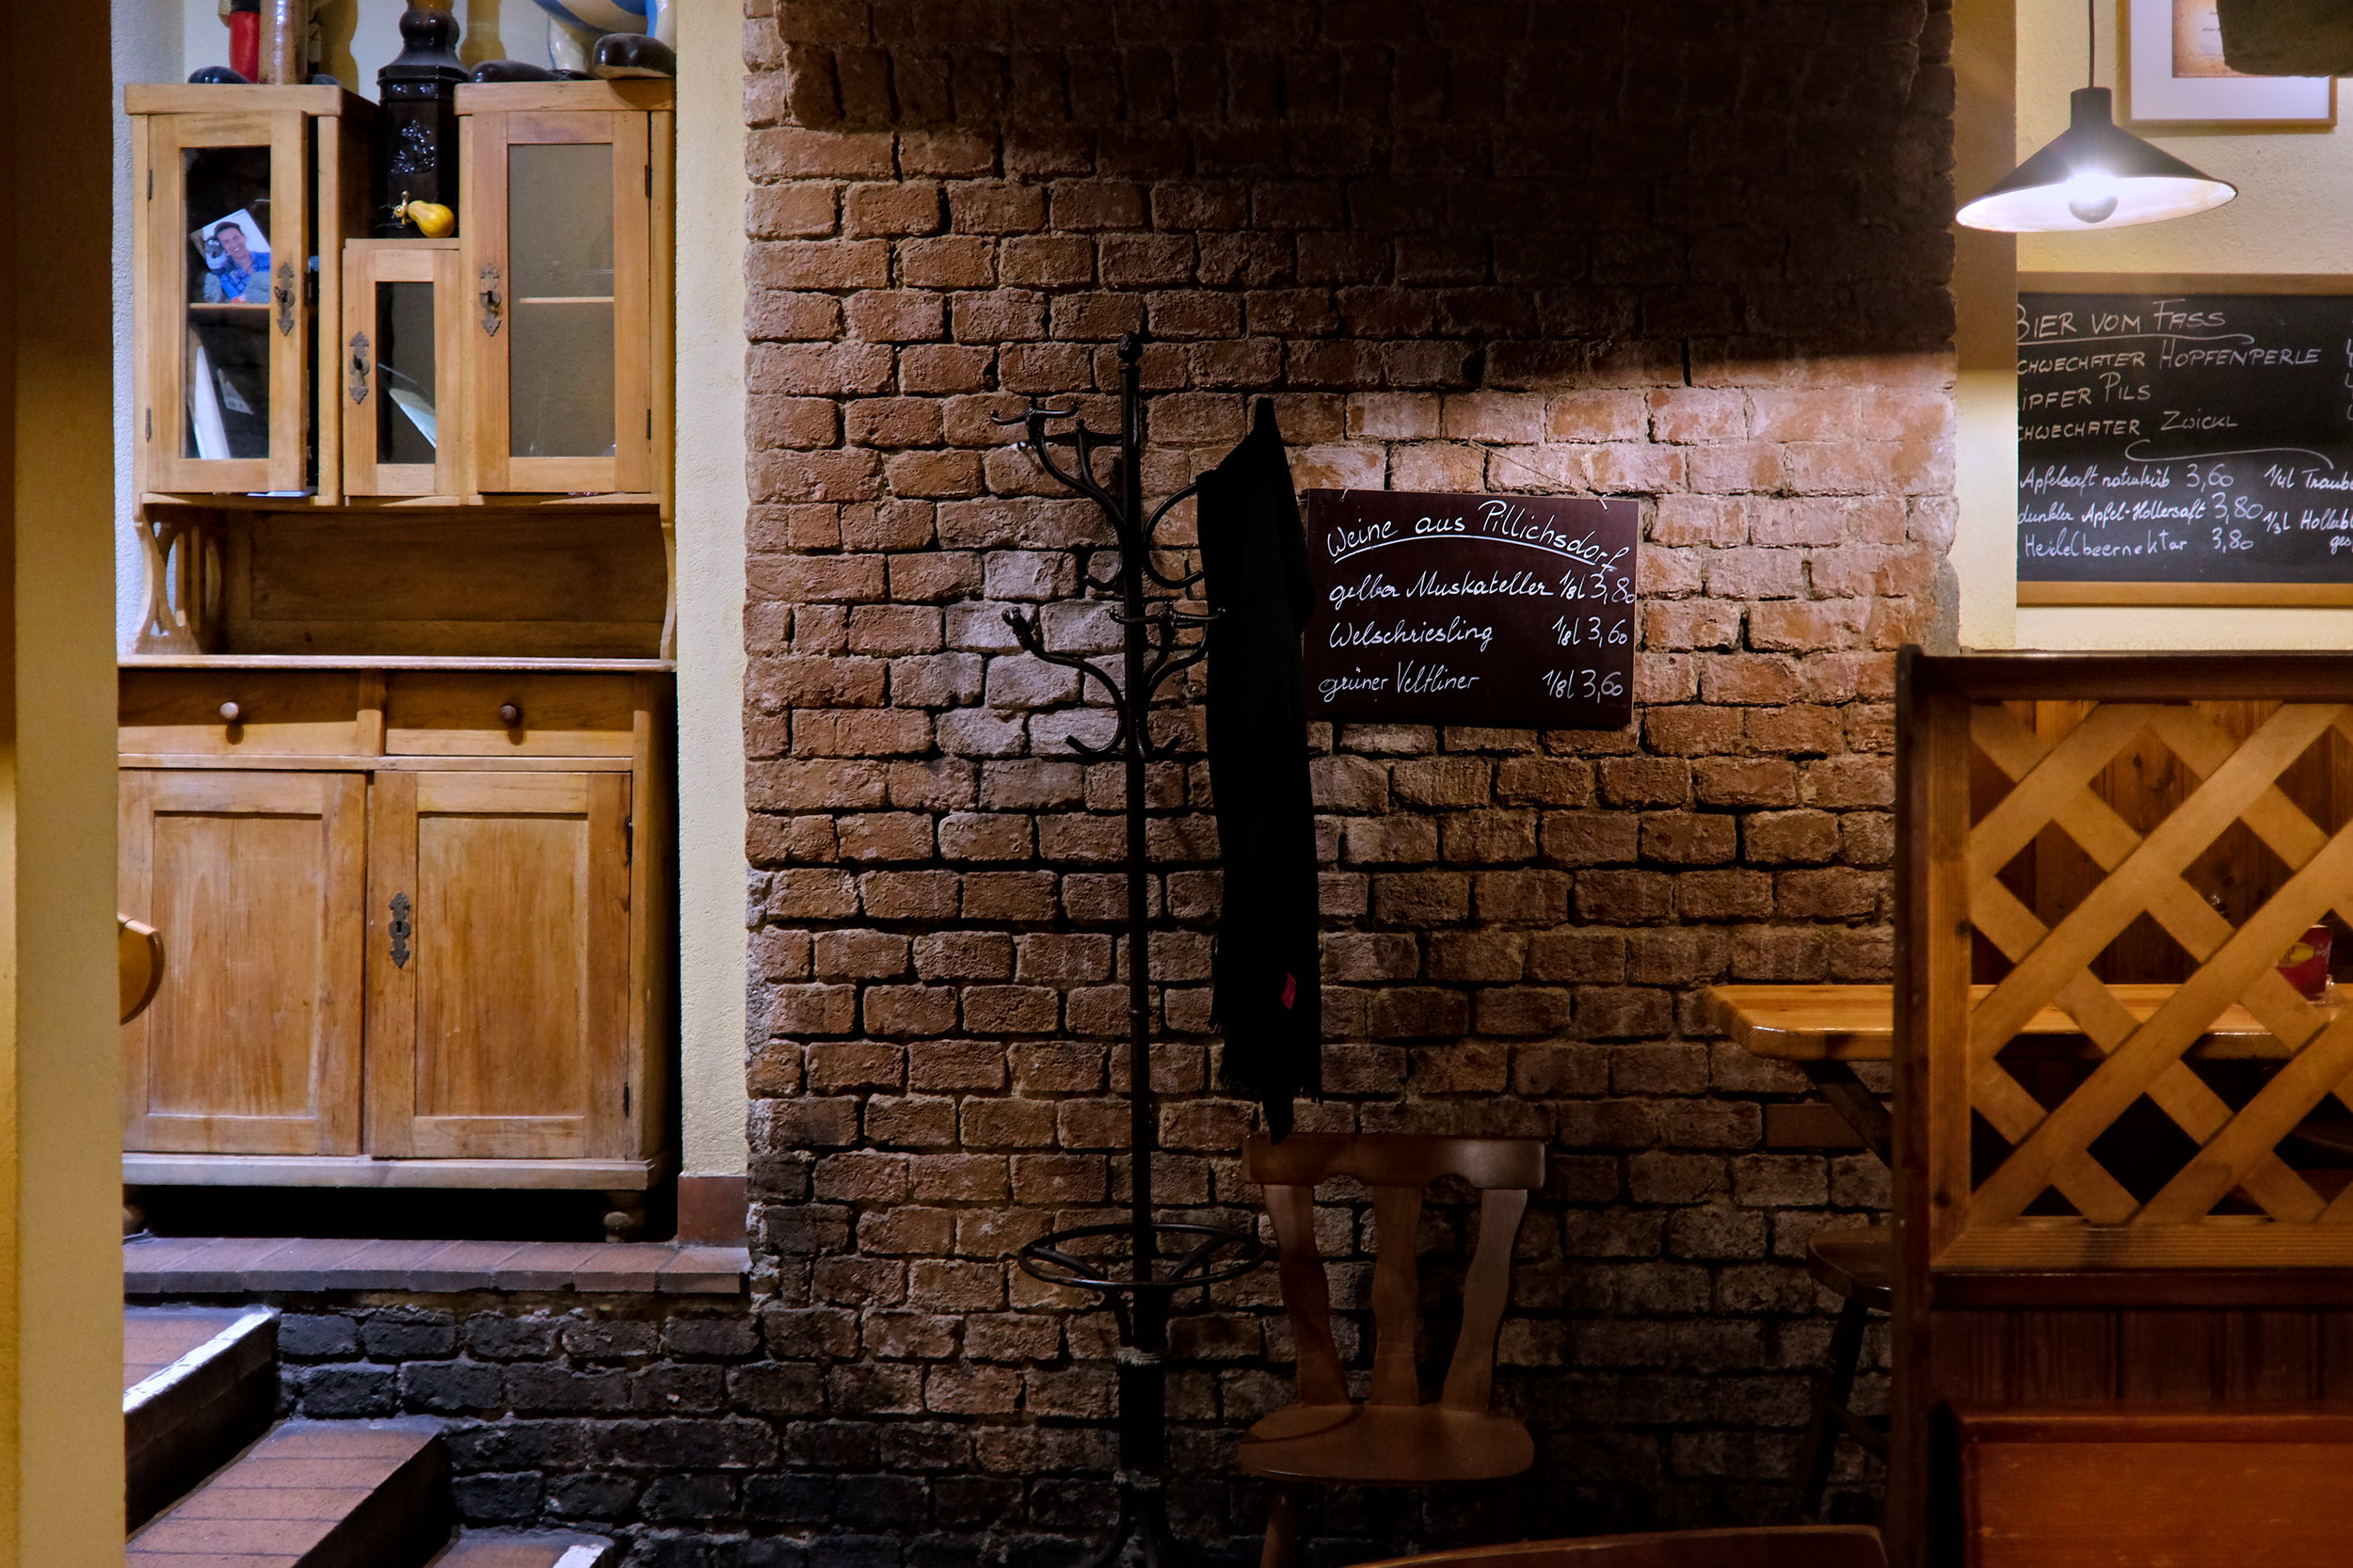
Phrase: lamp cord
(2091, 43)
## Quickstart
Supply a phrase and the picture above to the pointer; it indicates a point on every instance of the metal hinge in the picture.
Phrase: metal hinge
(650, 424)
(150, 425)
(624, 1098)
(649, 178)
(150, 184)
(628, 841)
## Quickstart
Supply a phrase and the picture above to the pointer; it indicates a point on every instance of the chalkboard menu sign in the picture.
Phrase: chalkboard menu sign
(1508, 610)
(2184, 444)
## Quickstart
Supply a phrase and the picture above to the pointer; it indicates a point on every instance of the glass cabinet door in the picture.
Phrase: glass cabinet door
(225, 251)
(558, 212)
(399, 370)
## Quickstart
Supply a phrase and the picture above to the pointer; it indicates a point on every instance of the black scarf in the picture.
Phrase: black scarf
(1267, 974)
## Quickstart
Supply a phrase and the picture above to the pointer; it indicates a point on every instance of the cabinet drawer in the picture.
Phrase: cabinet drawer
(509, 713)
(240, 713)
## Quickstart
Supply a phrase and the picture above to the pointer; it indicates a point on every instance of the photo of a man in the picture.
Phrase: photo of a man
(237, 261)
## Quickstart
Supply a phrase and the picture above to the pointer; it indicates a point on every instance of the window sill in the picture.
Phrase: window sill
(222, 1266)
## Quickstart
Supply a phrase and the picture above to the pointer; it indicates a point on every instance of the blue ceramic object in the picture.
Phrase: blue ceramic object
(580, 22)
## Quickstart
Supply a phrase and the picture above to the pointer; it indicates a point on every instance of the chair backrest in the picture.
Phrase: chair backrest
(1397, 1167)
(1775, 1546)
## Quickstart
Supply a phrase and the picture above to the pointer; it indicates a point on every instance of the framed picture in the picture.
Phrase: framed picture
(2174, 74)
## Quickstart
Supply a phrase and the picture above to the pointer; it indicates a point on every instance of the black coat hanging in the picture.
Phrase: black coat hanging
(1267, 975)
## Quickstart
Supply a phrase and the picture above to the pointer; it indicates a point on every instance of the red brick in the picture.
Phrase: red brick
(1849, 781)
(909, 208)
(1589, 838)
(1688, 837)
(865, 1064)
(1797, 730)
(1046, 260)
(908, 895)
(793, 152)
(995, 207)
(1698, 414)
(1751, 678)
(1623, 897)
(1808, 624)
(1543, 781)
(831, 264)
(1084, 204)
(946, 262)
(1011, 1008)
(1833, 892)
(909, 1011)
(896, 315)
(1725, 895)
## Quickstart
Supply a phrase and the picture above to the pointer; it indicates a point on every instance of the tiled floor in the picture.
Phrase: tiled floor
(205, 1266)
(283, 1497)
(152, 1340)
(493, 1549)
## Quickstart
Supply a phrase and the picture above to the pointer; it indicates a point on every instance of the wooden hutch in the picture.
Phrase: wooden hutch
(395, 730)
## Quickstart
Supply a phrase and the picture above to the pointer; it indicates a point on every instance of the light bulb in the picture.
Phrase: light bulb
(2092, 194)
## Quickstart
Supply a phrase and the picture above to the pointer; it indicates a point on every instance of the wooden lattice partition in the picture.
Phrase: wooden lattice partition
(2174, 1132)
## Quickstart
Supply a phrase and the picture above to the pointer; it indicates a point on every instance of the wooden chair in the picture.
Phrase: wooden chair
(1783, 1546)
(1393, 1438)
(1858, 1266)
(138, 965)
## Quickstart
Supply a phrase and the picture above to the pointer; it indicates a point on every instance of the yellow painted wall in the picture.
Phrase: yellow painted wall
(60, 1154)
(2293, 214)
(1985, 470)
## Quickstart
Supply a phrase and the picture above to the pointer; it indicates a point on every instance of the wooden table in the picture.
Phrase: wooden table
(1821, 1029)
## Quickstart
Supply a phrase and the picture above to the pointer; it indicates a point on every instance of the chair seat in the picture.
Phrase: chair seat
(1858, 1264)
(1386, 1445)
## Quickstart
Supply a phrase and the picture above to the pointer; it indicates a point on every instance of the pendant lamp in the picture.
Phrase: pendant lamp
(2095, 175)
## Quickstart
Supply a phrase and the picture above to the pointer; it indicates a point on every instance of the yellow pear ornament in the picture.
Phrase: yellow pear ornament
(433, 220)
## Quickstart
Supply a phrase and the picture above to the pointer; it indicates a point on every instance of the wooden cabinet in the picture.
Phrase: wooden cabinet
(252, 1045)
(400, 368)
(417, 922)
(239, 194)
(565, 190)
(391, 793)
(499, 965)
(281, 353)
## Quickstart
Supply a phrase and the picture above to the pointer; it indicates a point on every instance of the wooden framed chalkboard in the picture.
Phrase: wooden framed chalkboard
(1505, 611)
(2184, 439)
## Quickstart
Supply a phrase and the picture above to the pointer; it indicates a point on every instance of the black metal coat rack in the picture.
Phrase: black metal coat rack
(1139, 1266)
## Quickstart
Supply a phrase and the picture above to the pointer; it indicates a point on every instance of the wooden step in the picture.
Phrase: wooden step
(527, 1549)
(312, 1495)
(199, 1384)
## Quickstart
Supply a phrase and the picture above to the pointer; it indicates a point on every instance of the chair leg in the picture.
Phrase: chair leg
(1281, 1549)
(1834, 1384)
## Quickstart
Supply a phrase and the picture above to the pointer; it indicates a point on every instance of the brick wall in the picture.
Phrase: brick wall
(1694, 253)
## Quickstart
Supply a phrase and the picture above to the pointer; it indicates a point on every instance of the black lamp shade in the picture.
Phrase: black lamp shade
(2095, 176)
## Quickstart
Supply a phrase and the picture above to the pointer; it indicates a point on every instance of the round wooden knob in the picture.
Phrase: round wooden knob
(231, 712)
(509, 714)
